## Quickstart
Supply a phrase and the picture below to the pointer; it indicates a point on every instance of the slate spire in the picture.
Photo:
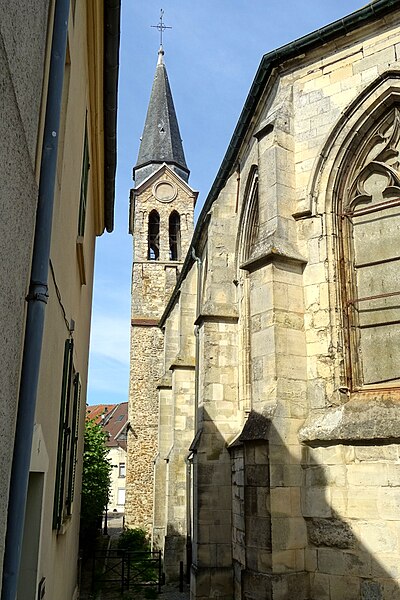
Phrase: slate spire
(161, 140)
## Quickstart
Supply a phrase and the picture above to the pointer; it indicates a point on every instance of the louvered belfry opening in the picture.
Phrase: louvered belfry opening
(174, 236)
(154, 236)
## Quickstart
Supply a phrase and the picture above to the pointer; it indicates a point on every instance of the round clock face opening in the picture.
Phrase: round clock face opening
(164, 191)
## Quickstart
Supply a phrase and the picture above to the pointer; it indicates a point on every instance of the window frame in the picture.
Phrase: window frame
(84, 184)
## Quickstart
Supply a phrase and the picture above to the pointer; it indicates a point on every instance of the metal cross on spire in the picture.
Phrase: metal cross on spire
(161, 27)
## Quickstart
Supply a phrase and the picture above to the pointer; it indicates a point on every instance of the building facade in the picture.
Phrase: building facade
(114, 420)
(280, 475)
(57, 171)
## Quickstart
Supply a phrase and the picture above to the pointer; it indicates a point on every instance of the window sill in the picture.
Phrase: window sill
(65, 525)
(361, 419)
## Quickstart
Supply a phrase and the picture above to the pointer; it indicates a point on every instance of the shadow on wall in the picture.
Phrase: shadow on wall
(305, 523)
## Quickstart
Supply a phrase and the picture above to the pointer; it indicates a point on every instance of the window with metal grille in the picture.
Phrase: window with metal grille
(174, 236)
(153, 251)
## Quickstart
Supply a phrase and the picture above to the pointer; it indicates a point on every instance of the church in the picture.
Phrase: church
(264, 437)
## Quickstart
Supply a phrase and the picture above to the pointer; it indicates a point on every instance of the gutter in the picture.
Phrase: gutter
(368, 14)
(112, 10)
(37, 300)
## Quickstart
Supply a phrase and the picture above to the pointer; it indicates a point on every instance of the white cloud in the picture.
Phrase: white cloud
(110, 338)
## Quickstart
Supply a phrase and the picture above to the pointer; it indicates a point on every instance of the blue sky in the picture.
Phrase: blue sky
(212, 53)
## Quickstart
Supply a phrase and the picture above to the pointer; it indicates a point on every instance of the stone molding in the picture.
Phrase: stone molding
(273, 249)
(144, 322)
(359, 420)
(366, 108)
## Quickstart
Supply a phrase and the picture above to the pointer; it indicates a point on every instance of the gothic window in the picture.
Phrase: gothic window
(369, 230)
(153, 252)
(174, 236)
(251, 224)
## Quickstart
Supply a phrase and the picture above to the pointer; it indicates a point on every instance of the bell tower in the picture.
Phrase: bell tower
(161, 222)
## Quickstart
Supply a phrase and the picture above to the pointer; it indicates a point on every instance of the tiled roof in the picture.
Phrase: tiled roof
(97, 411)
(114, 418)
(115, 424)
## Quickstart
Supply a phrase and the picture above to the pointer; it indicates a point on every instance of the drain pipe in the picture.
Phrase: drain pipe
(188, 515)
(37, 300)
(189, 458)
(196, 333)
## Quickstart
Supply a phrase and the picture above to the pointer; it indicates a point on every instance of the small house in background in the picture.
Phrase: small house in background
(98, 412)
(114, 419)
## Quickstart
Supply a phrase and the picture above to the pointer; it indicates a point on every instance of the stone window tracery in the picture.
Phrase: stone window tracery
(369, 231)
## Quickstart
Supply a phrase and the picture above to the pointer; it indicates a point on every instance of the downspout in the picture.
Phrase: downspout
(188, 461)
(37, 300)
(196, 333)
(189, 458)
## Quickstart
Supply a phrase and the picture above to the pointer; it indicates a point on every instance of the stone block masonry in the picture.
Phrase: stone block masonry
(153, 280)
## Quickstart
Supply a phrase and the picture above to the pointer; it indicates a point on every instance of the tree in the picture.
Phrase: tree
(96, 479)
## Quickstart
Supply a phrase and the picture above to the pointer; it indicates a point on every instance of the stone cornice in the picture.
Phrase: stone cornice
(272, 249)
(144, 322)
(359, 420)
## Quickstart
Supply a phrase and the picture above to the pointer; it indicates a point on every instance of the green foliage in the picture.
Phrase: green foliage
(96, 479)
(134, 540)
(136, 543)
(150, 593)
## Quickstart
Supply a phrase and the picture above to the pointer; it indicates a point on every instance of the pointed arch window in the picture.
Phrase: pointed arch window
(174, 236)
(251, 224)
(153, 252)
(369, 232)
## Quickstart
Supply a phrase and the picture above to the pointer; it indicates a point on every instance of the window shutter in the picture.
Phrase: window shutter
(74, 443)
(63, 435)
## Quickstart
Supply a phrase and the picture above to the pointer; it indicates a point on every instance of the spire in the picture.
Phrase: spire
(161, 140)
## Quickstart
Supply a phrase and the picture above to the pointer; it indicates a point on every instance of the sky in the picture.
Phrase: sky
(212, 54)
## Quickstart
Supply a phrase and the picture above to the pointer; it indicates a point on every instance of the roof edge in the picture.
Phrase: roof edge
(155, 174)
(112, 17)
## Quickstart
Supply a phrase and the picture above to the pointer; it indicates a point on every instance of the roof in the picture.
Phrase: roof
(115, 423)
(112, 10)
(114, 419)
(97, 412)
(161, 139)
(373, 11)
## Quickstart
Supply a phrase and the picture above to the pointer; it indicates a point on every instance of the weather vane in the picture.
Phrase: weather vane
(161, 27)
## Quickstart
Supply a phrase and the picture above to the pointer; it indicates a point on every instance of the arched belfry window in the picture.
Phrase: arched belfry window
(174, 236)
(369, 232)
(153, 239)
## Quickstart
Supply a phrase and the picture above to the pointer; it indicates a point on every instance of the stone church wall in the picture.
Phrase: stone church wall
(294, 457)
